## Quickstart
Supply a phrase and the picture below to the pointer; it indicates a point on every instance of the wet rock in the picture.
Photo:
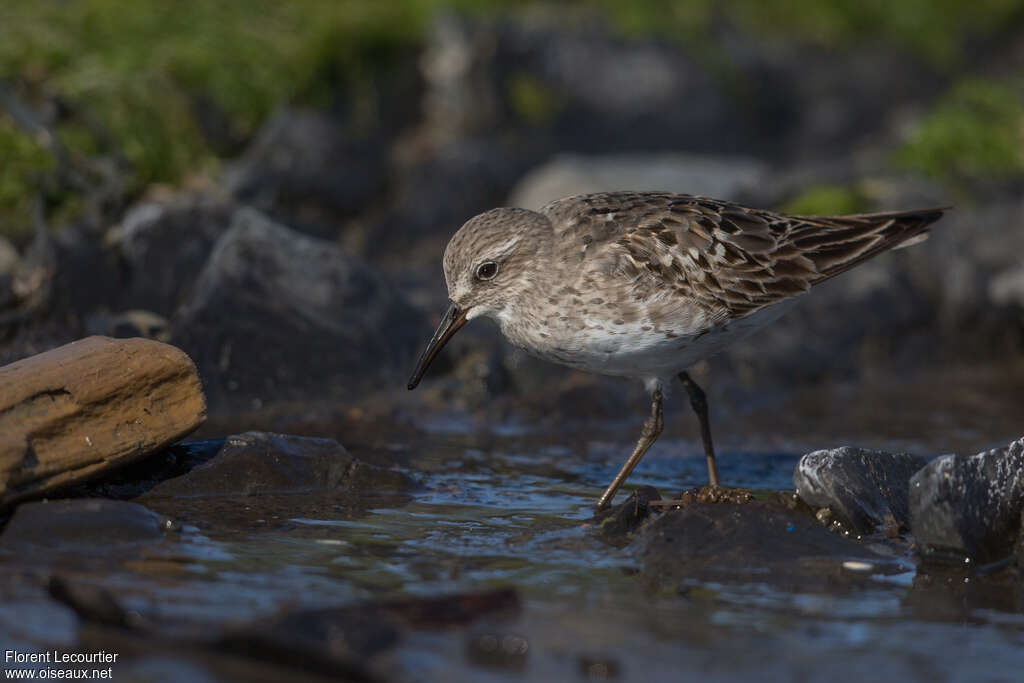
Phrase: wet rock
(89, 406)
(163, 247)
(760, 540)
(279, 316)
(303, 169)
(342, 638)
(969, 505)
(505, 651)
(626, 517)
(90, 602)
(84, 522)
(258, 463)
(864, 489)
(569, 174)
(139, 477)
(958, 592)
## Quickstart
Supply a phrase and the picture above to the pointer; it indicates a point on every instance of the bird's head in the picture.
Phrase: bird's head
(488, 263)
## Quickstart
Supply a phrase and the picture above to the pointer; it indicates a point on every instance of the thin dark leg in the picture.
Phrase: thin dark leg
(700, 406)
(652, 428)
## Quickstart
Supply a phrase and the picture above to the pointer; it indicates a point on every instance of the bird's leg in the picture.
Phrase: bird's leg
(700, 406)
(652, 428)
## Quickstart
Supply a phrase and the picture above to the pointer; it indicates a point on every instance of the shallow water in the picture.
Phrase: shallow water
(511, 508)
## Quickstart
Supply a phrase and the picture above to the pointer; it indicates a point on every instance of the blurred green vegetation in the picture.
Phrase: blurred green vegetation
(140, 70)
(827, 200)
(130, 78)
(975, 131)
(937, 30)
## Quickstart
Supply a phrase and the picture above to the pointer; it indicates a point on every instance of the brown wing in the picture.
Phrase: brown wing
(727, 258)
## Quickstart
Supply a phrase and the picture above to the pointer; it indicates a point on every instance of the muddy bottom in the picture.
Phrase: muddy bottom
(511, 509)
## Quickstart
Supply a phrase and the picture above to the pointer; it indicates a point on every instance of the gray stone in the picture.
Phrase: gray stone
(969, 505)
(8, 257)
(1007, 287)
(569, 174)
(164, 246)
(279, 316)
(863, 488)
(304, 169)
(91, 522)
(260, 462)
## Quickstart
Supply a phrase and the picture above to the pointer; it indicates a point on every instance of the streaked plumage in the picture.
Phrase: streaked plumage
(644, 284)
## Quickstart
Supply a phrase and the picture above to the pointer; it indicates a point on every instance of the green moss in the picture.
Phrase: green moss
(139, 68)
(826, 200)
(937, 30)
(25, 162)
(976, 131)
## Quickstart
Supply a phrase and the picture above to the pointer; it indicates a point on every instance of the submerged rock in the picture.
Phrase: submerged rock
(969, 505)
(260, 462)
(280, 316)
(626, 517)
(339, 640)
(759, 540)
(863, 488)
(89, 522)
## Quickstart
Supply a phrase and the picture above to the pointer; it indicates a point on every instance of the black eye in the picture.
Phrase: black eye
(485, 271)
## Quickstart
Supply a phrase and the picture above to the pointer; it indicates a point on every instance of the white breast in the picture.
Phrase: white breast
(643, 348)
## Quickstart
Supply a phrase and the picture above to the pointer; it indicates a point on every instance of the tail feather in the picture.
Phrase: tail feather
(834, 244)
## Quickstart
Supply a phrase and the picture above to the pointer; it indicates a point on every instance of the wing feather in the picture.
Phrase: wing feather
(728, 259)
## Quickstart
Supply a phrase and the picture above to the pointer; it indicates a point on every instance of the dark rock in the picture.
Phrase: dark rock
(303, 169)
(259, 463)
(498, 651)
(760, 540)
(342, 638)
(68, 273)
(336, 642)
(969, 505)
(518, 73)
(437, 194)
(89, 601)
(82, 523)
(626, 517)
(163, 246)
(863, 488)
(135, 479)
(957, 593)
(278, 316)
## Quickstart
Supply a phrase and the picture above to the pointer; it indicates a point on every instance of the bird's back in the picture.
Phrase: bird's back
(728, 259)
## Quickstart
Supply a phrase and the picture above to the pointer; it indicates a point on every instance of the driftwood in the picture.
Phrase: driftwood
(89, 406)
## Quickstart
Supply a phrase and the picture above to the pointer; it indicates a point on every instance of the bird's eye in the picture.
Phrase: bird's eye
(487, 270)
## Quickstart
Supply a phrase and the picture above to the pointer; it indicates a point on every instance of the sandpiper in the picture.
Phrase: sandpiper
(645, 284)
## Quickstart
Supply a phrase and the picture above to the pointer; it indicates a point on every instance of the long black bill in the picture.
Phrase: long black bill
(451, 321)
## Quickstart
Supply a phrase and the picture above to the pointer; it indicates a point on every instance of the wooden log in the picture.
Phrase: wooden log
(89, 406)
